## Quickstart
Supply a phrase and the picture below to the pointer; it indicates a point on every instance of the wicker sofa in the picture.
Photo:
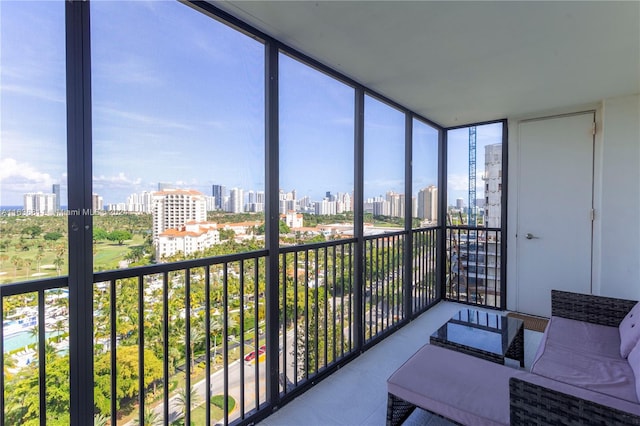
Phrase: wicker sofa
(592, 387)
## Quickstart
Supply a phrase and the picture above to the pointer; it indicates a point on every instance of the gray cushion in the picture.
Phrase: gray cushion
(460, 387)
(582, 337)
(629, 329)
(587, 356)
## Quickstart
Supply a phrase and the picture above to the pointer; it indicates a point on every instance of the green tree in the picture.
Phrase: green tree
(181, 399)
(99, 234)
(227, 234)
(100, 420)
(283, 228)
(135, 254)
(39, 257)
(120, 236)
(17, 263)
(127, 372)
(58, 262)
(33, 231)
(53, 236)
(150, 418)
(22, 404)
(28, 263)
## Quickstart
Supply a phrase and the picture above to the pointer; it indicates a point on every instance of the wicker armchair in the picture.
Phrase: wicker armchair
(533, 404)
(533, 399)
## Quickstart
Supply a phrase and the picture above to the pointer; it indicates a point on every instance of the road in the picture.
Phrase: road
(234, 386)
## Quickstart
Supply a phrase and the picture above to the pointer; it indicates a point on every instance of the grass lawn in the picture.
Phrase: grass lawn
(107, 256)
(198, 414)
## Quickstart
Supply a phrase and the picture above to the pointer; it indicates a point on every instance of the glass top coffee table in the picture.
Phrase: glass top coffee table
(486, 335)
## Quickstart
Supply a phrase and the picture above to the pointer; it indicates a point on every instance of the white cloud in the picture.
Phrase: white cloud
(23, 177)
(118, 181)
(35, 92)
(147, 120)
(458, 182)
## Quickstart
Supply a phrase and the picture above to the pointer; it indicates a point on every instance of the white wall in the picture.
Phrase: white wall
(617, 264)
(616, 245)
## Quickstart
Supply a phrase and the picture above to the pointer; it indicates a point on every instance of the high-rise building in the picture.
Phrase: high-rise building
(493, 185)
(396, 204)
(138, 203)
(236, 200)
(255, 202)
(56, 190)
(39, 204)
(163, 186)
(428, 203)
(97, 203)
(173, 208)
(325, 207)
(219, 192)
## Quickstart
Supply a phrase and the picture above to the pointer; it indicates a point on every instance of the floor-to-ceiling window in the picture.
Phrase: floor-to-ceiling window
(178, 175)
(316, 207)
(316, 154)
(384, 215)
(424, 212)
(33, 210)
(474, 213)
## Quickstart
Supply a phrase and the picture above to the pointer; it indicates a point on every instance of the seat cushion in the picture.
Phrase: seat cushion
(585, 355)
(582, 337)
(460, 387)
(629, 330)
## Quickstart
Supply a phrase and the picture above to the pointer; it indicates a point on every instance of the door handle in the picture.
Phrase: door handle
(530, 236)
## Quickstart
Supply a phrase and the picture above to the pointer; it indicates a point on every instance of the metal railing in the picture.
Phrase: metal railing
(197, 329)
(317, 309)
(424, 265)
(185, 342)
(474, 266)
(34, 333)
(383, 280)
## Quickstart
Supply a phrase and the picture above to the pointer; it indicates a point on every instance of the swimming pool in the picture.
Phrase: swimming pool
(21, 339)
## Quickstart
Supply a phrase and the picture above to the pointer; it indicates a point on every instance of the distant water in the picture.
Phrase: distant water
(14, 209)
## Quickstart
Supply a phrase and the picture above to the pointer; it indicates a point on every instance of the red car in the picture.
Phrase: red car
(252, 355)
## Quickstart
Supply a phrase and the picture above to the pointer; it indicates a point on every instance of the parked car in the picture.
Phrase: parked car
(251, 356)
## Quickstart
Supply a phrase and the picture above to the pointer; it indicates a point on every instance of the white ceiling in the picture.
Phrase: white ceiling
(462, 62)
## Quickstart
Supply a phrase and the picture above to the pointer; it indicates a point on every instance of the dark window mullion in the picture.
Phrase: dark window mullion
(80, 227)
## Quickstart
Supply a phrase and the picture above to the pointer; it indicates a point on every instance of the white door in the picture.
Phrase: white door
(555, 201)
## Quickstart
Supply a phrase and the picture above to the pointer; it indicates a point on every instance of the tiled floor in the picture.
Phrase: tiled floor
(357, 393)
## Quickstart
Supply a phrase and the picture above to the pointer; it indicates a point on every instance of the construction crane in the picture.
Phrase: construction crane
(472, 177)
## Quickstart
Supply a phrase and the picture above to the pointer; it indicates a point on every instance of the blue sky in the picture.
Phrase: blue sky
(178, 98)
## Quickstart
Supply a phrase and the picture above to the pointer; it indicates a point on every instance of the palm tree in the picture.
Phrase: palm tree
(215, 327)
(3, 257)
(39, 257)
(17, 263)
(100, 420)
(181, 400)
(196, 335)
(151, 418)
(28, 263)
(58, 262)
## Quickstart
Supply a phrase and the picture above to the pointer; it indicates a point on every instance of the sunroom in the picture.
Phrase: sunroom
(239, 212)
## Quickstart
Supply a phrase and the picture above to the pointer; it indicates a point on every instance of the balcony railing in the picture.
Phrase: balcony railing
(186, 342)
(473, 271)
